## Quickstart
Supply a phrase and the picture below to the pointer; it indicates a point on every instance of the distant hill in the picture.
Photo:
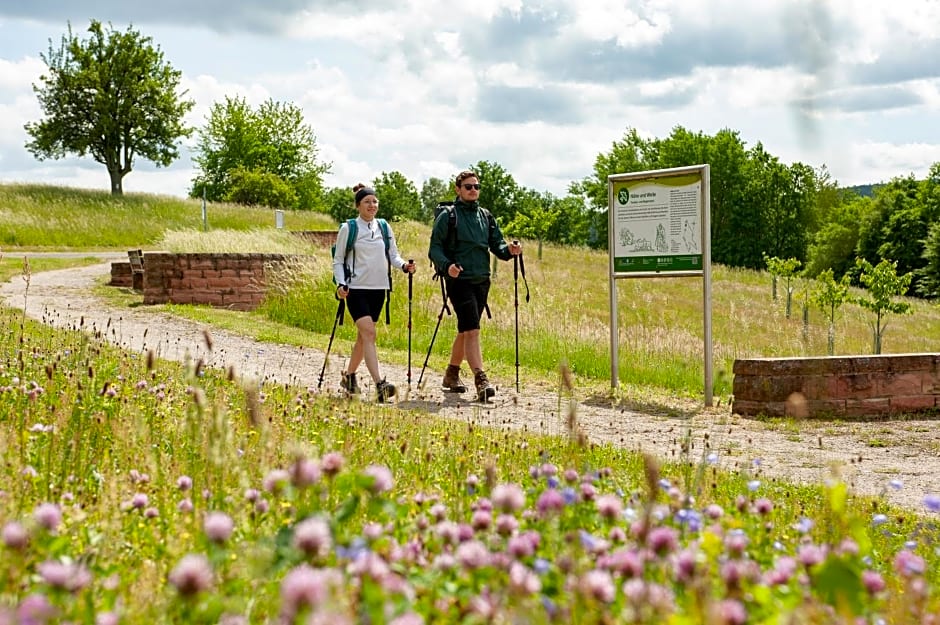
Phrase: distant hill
(866, 190)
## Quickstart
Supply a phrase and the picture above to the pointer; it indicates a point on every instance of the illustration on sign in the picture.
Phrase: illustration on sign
(657, 224)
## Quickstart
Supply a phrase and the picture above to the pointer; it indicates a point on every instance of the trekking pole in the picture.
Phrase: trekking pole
(517, 266)
(336, 321)
(515, 289)
(440, 316)
(410, 291)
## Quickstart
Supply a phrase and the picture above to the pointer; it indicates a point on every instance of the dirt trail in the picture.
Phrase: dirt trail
(867, 455)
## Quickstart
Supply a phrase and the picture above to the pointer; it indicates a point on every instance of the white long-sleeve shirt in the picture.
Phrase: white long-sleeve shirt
(367, 264)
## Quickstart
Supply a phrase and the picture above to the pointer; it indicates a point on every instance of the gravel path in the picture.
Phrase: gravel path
(868, 455)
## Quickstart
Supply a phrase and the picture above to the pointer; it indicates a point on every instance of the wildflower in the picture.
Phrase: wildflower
(108, 618)
(408, 618)
(48, 516)
(218, 526)
(908, 564)
(382, 480)
(191, 575)
(571, 476)
(252, 495)
(372, 531)
(184, 483)
(15, 535)
(810, 555)
(332, 463)
(569, 496)
(523, 545)
(609, 506)
(472, 554)
(302, 588)
(139, 501)
(151, 512)
(523, 580)
(729, 612)
(275, 481)
(481, 520)
(896, 484)
(35, 609)
(685, 566)
(261, 506)
(736, 542)
(753, 485)
(873, 582)
(185, 505)
(313, 536)
(763, 506)
(70, 577)
(305, 472)
(627, 562)
(663, 540)
(711, 458)
(690, 518)
(804, 525)
(879, 519)
(598, 585)
(506, 524)
(508, 497)
(714, 511)
(438, 511)
(548, 469)
(932, 503)
(550, 501)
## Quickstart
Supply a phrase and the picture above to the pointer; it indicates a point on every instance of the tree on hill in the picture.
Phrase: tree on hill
(433, 192)
(240, 149)
(398, 197)
(112, 97)
(883, 284)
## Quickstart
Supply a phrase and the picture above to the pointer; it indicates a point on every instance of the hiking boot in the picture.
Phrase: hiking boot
(349, 384)
(385, 391)
(452, 381)
(485, 390)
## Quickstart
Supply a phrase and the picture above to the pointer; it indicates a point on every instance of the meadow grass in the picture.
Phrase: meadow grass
(44, 217)
(136, 490)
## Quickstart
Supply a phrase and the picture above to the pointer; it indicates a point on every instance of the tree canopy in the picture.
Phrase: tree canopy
(240, 149)
(113, 97)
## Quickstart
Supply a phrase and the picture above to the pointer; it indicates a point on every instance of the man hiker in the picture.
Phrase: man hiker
(462, 238)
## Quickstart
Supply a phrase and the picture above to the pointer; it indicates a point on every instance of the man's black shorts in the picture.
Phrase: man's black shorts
(365, 302)
(468, 300)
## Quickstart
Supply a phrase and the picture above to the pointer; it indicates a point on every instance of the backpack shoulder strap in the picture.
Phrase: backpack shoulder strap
(383, 226)
(352, 230)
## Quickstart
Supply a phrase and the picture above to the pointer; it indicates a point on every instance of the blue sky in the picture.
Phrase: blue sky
(428, 88)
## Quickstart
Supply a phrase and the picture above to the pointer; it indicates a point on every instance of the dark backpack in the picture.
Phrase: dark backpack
(352, 231)
(450, 241)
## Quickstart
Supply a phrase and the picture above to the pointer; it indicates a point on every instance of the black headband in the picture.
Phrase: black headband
(362, 193)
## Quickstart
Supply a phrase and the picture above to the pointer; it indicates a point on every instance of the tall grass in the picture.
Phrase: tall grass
(50, 217)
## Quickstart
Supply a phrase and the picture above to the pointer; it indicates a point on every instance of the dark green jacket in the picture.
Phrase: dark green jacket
(476, 238)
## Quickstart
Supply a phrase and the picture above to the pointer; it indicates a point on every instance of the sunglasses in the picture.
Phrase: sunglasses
(469, 186)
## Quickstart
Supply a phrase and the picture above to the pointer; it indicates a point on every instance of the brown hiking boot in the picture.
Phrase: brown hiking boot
(349, 384)
(485, 390)
(452, 381)
(385, 391)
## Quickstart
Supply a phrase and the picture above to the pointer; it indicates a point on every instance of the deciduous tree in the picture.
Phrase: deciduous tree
(113, 97)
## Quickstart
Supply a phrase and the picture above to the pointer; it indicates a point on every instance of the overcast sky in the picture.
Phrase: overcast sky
(427, 88)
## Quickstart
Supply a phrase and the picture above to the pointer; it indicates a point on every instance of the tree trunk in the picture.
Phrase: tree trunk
(117, 181)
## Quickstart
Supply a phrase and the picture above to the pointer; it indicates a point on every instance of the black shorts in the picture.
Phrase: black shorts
(468, 300)
(363, 302)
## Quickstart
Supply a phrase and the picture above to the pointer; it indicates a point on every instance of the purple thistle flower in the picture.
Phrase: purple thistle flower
(184, 483)
(70, 577)
(522, 580)
(382, 480)
(481, 520)
(598, 585)
(627, 562)
(548, 469)
(218, 526)
(303, 588)
(782, 573)
(151, 512)
(685, 566)
(332, 463)
(275, 481)
(508, 497)
(662, 540)
(609, 506)
(549, 502)
(908, 564)
(408, 618)
(15, 536)
(714, 511)
(873, 582)
(139, 501)
(571, 476)
(729, 612)
(109, 618)
(313, 536)
(736, 542)
(810, 555)
(48, 516)
(588, 492)
(34, 610)
(305, 472)
(185, 505)
(472, 554)
(763, 506)
(191, 575)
